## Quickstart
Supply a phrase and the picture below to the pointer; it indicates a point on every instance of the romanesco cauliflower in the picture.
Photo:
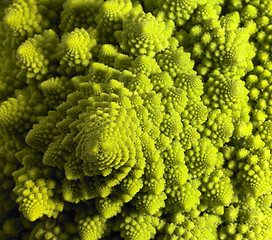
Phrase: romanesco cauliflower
(135, 120)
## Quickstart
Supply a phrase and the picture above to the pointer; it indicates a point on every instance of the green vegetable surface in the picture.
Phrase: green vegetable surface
(136, 120)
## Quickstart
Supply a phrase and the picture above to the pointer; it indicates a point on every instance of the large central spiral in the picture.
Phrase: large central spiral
(108, 140)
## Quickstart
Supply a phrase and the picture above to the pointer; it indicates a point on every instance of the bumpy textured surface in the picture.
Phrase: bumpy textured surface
(135, 120)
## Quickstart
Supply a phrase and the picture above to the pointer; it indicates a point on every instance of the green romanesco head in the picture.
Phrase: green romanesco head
(135, 119)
